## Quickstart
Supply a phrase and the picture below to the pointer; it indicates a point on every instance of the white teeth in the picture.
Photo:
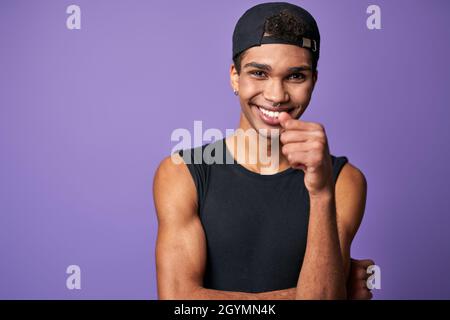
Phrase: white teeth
(272, 114)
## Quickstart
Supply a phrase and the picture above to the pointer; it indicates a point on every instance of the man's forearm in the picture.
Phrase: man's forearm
(322, 273)
(201, 293)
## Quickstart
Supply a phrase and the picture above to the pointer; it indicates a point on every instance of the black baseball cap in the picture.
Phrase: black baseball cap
(250, 28)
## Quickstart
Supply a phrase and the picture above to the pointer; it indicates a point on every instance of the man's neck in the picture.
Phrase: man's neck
(266, 158)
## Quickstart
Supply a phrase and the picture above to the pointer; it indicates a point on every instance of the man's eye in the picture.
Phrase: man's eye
(294, 76)
(257, 73)
(298, 76)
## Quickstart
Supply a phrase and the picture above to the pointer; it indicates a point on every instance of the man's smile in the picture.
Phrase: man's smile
(269, 115)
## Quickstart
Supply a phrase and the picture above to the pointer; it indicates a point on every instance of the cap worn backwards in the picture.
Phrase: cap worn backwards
(250, 29)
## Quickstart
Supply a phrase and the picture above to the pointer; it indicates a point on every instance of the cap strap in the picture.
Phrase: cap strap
(309, 43)
(303, 42)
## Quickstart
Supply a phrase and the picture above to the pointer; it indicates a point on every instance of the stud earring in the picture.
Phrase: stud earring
(235, 92)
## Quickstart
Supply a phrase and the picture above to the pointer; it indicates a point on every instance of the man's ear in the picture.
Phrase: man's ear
(234, 78)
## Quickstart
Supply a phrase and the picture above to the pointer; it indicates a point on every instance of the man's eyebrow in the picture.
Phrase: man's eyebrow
(266, 67)
(300, 68)
(258, 65)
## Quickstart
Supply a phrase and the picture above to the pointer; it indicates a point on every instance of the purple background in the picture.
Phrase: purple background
(86, 116)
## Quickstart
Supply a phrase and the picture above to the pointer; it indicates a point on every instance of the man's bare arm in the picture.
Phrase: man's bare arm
(181, 243)
(341, 217)
(322, 274)
(351, 194)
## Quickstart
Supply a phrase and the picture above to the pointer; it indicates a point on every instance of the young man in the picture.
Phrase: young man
(251, 231)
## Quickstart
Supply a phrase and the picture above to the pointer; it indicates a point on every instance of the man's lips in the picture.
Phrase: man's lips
(270, 117)
(277, 109)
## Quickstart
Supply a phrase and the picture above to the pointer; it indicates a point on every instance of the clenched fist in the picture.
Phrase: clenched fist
(357, 280)
(305, 146)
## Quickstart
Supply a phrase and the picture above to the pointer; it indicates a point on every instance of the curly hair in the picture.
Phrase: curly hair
(284, 26)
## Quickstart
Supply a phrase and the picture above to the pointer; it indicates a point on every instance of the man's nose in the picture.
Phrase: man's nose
(275, 93)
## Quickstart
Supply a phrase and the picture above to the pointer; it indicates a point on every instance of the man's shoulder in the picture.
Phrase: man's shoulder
(174, 191)
(351, 186)
(170, 165)
(171, 172)
(352, 174)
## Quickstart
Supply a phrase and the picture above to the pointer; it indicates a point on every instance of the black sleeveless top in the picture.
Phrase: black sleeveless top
(255, 225)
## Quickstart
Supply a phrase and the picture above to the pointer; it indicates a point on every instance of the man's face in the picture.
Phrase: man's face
(271, 74)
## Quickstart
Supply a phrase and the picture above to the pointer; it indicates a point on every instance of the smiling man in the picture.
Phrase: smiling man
(248, 230)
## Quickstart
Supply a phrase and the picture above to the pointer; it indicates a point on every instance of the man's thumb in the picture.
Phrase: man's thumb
(283, 117)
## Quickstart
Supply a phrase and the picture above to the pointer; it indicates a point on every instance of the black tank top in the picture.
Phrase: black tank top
(255, 225)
